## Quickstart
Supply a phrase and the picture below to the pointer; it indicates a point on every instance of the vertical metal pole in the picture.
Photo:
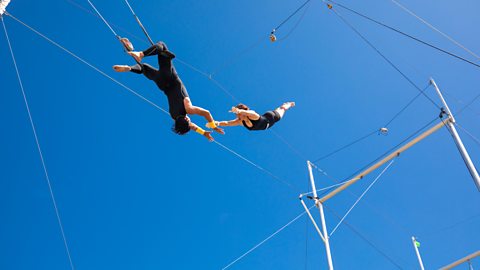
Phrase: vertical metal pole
(325, 234)
(451, 127)
(311, 219)
(322, 216)
(312, 181)
(414, 241)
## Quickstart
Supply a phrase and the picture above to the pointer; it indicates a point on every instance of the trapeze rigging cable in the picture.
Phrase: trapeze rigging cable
(369, 242)
(374, 131)
(405, 34)
(295, 26)
(468, 104)
(279, 179)
(361, 196)
(468, 133)
(153, 103)
(103, 19)
(230, 61)
(346, 146)
(407, 105)
(265, 240)
(394, 116)
(208, 76)
(203, 73)
(139, 22)
(88, 64)
(383, 56)
(435, 29)
(290, 16)
(44, 166)
(394, 147)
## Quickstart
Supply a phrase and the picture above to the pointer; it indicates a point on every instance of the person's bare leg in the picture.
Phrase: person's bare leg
(285, 107)
(122, 68)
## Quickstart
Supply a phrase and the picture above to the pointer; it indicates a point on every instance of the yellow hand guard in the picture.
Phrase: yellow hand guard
(200, 131)
(211, 125)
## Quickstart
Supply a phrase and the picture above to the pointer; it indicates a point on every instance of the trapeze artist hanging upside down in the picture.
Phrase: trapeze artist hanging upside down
(167, 79)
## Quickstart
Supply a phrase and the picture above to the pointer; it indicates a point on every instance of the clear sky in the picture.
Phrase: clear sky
(133, 195)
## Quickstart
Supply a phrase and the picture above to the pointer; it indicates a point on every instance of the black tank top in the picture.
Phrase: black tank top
(260, 124)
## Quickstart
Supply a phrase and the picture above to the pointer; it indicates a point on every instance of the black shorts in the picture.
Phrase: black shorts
(272, 117)
(266, 121)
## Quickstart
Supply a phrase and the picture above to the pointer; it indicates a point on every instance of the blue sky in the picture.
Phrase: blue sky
(133, 195)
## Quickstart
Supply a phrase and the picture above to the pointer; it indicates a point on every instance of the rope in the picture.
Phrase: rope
(255, 165)
(255, 44)
(407, 105)
(325, 188)
(324, 172)
(103, 19)
(361, 196)
(145, 99)
(393, 148)
(382, 55)
(346, 146)
(291, 15)
(289, 145)
(295, 26)
(229, 62)
(77, 5)
(364, 238)
(52, 196)
(435, 29)
(139, 23)
(188, 65)
(265, 240)
(90, 65)
(407, 35)
(209, 76)
(468, 104)
(468, 133)
(422, 92)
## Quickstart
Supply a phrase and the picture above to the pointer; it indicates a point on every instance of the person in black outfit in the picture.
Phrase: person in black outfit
(167, 79)
(254, 121)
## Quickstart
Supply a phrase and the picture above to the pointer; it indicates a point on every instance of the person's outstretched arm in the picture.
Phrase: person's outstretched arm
(202, 112)
(231, 123)
(199, 130)
(251, 114)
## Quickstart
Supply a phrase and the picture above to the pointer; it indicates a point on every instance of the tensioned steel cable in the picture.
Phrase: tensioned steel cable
(291, 15)
(382, 55)
(405, 34)
(47, 177)
(360, 197)
(436, 29)
(368, 241)
(407, 105)
(265, 240)
(147, 100)
(345, 146)
(393, 148)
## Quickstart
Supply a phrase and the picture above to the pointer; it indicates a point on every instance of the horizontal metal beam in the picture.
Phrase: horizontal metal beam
(469, 257)
(383, 161)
